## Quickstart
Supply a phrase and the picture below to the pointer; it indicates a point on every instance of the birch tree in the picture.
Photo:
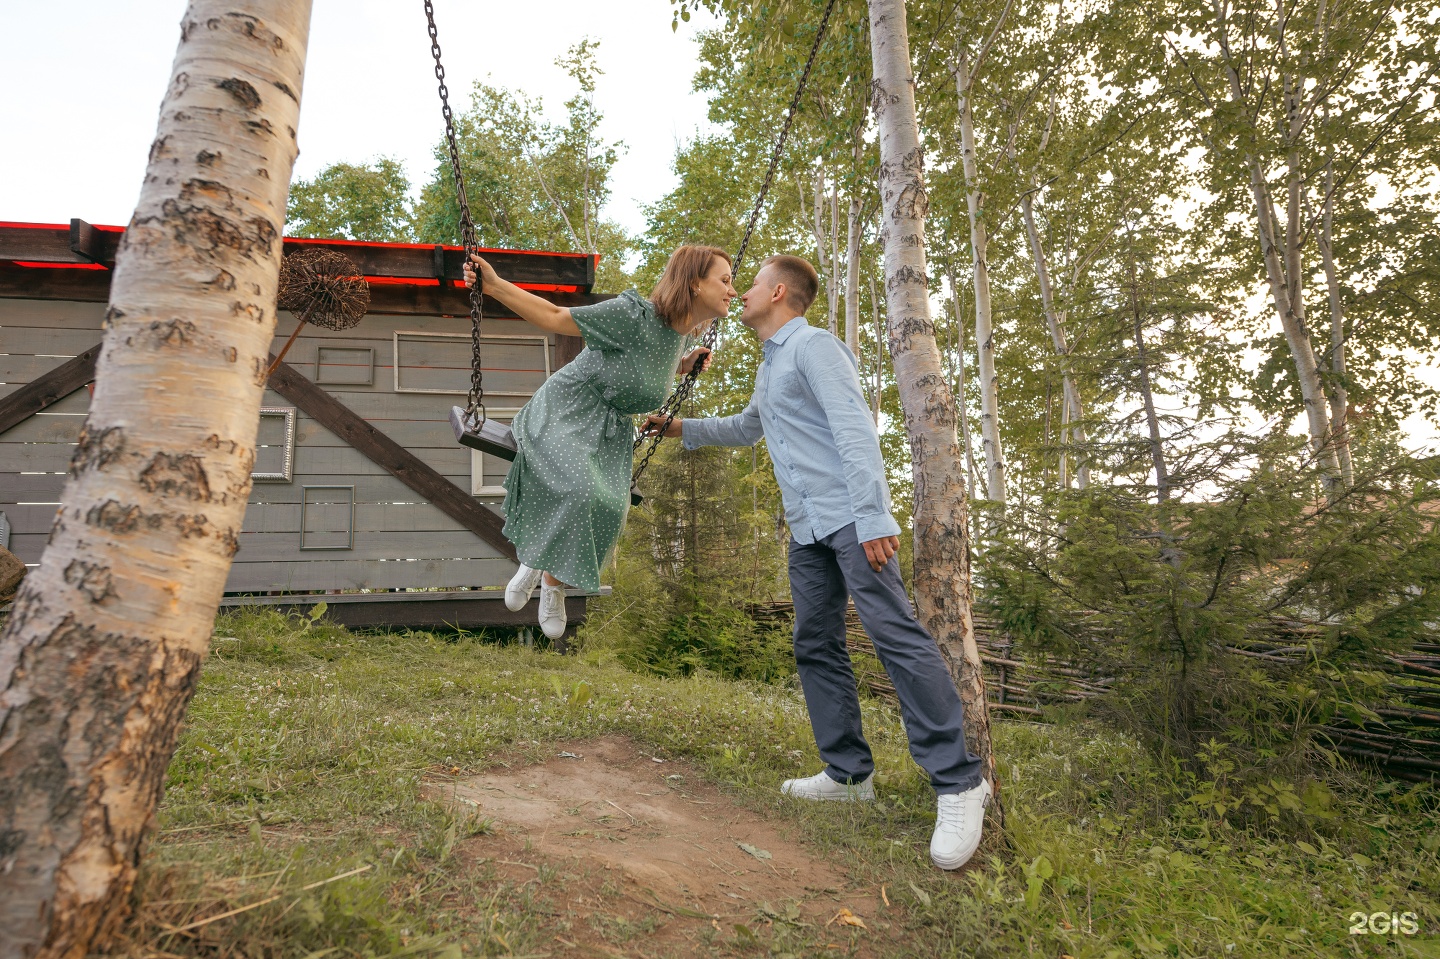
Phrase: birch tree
(942, 542)
(966, 70)
(105, 643)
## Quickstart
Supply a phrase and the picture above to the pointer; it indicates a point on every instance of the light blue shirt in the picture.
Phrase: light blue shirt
(810, 410)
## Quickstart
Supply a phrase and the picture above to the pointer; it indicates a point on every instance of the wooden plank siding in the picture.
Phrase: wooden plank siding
(377, 532)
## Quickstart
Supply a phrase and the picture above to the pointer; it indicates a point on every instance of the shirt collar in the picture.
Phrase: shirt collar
(779, 337)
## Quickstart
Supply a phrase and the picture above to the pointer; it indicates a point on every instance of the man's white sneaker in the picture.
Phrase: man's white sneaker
(959, 819)
(522, 587)
(821, 786)
(552, 611)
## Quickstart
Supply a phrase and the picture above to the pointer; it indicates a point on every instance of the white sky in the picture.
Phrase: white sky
(84, 80)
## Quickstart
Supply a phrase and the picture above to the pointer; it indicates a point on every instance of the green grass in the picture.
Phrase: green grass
(305, 750)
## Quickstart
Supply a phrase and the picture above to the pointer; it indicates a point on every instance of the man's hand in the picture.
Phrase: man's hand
(879, 551)
(653, 424)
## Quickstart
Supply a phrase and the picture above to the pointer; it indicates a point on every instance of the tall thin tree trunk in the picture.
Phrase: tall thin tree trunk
(984, 331)
(960, 391)
(942, 540)
(1339, 396)
(852, 276)
(106, 639)
(1152, 420)
(1286, 293)
(1074, 413)
(832, 288)
(879, 369)
(822, 261)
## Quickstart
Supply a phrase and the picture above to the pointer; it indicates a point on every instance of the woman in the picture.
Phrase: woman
(568, 490)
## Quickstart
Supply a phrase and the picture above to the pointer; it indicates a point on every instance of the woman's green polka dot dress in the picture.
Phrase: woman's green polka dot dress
(568, 491)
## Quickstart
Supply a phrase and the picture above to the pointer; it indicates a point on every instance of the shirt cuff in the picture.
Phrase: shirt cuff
(875, 527)
(687, 434)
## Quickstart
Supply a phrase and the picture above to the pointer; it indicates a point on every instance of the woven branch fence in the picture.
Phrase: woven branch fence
(1404, 743)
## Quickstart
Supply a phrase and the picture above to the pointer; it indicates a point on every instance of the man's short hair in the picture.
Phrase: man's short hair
(801, 281)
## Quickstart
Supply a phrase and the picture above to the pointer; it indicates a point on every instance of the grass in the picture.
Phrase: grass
(297, 786)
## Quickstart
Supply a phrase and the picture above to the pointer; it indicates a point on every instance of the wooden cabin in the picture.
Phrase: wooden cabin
(362, 499)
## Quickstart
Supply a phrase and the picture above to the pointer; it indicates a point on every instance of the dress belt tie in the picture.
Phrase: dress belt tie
(616, 422)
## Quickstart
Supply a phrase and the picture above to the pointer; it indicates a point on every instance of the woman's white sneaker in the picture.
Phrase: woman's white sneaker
(522, 587)
(821, 786)
(552, 611)
(959, 819)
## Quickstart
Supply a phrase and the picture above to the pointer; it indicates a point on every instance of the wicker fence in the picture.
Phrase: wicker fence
(1404, 742)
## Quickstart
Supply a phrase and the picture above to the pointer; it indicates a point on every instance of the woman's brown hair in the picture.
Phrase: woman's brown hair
(675, 292)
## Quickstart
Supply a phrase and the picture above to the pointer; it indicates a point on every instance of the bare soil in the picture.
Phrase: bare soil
(653, 861)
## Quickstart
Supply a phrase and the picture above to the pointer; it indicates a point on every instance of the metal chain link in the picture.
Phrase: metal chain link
(683, 390)
(476, 398)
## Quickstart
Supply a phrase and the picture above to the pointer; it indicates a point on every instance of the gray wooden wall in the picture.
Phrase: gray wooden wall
(390, 537)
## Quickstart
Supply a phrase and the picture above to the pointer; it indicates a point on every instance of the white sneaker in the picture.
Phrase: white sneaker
(552, 611)
(821, 786)
(522, 587)
(959, 819)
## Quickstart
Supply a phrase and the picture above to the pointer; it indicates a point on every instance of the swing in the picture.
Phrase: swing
(472, 427)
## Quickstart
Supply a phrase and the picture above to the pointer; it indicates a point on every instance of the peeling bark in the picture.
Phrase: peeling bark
(942, 541)
(105, 643)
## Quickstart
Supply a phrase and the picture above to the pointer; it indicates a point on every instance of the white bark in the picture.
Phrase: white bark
(960, 405)
(1074, 412)
(878, 369)
(1339, 396)
(852, 277)
(1286, 291)
(942, 541)
(105, 643)
(832, 286)
(984, 331)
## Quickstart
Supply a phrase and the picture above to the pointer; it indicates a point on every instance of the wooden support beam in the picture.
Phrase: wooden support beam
(384, 452)
(47, 389)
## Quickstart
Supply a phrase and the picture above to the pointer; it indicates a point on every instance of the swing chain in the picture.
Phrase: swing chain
(476, 398)
(682, 392)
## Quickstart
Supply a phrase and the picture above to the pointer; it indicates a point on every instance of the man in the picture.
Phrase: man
(809, 408)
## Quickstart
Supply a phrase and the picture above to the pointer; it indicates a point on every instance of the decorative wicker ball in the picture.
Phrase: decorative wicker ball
(323, 288)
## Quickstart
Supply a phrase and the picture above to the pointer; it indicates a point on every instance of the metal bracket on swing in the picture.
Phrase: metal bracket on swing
(482, 434)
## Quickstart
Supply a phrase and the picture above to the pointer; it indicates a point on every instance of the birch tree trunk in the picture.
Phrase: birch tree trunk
(852, 277)
(984, 331)
(942, 541)
(1339, 396)
(1286, 292)
(832, 288)
(105, 643)
(879, 352)
(960, 392)
(822, 261)
(1074, 412)
(1147, 394)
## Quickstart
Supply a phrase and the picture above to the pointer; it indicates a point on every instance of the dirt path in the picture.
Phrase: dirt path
(667, 863)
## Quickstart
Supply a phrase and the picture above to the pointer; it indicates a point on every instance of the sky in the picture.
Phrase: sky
(84, 81)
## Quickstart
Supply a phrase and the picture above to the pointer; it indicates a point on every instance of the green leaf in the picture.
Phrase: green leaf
(920, 894)
(1306, 848)
(318, 611)
(757, 853)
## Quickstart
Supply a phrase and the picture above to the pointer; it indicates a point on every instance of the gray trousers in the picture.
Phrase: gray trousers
(822, 575)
